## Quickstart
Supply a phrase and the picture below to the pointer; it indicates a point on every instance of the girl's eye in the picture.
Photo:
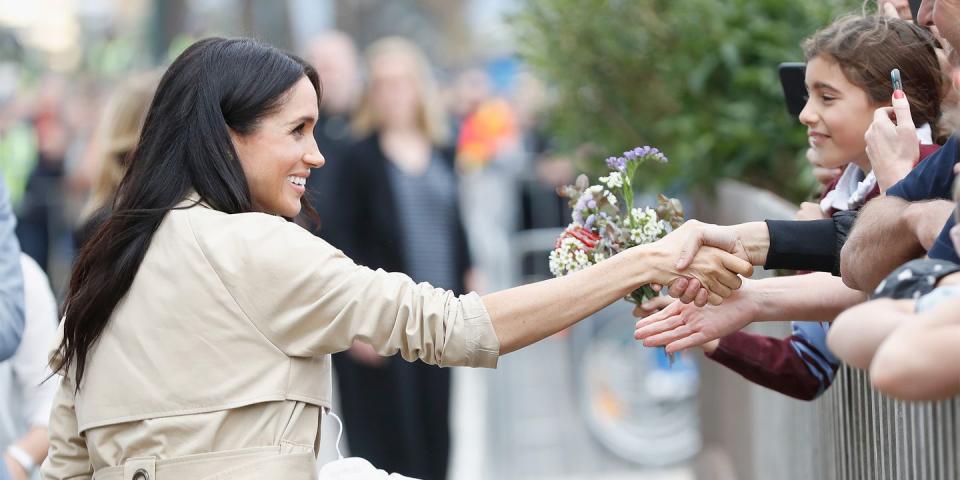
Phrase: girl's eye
(828, 98)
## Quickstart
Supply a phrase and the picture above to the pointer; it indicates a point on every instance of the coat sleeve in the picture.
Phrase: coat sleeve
(309, 299)
(11, 280)
(68, 458)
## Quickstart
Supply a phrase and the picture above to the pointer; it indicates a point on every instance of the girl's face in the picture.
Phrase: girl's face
(278, 155)
(837, 115)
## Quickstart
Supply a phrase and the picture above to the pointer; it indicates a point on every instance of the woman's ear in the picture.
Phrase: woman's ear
(235, 136)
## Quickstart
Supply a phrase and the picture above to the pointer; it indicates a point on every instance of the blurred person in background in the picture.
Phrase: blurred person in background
(489, 160)
(26, 392)
(469, 89)
(114, 140)
(334, 55)
(400, 212)
(40, 214)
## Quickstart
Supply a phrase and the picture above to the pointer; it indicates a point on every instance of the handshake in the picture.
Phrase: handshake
(702, 263)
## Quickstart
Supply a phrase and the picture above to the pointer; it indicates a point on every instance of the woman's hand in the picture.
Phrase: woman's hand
(680, 326)
(716, 270)
(810, 211)
(652, 306)
(893, 148)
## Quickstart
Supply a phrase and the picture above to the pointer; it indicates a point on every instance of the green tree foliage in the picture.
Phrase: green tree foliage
(696, 78)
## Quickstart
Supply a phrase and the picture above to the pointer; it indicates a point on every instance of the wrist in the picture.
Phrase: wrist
(15, 467)
(888, 177)
(754, 237)
(751, 300)
(641, 264)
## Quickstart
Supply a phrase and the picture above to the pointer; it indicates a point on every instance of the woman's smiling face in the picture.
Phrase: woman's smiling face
(278, 155)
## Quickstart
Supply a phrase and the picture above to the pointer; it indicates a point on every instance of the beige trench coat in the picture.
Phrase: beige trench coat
(216, 363)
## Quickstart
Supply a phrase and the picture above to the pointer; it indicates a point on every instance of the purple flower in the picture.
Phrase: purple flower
(592, 204)
(630, 154)
(590, 221)
(617, 163)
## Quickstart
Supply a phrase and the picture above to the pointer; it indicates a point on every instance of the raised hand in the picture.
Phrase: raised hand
(893, 148)
(680, 326)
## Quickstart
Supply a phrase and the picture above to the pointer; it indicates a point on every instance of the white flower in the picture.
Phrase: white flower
(614, 180)
(582, 260)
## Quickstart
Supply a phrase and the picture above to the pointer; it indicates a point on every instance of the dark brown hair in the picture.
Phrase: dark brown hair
(867, 48)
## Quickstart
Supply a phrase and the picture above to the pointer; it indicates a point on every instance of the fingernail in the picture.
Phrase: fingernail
(898, 94)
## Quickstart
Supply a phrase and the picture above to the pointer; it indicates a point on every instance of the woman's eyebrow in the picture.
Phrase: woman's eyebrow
(303, 119)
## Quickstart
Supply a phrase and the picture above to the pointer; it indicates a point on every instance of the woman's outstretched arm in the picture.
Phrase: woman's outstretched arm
(524, 315)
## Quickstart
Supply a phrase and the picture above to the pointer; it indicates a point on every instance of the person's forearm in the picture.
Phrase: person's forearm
(857, 333)
(814, 297)
(35, 443)
(882, 240)
(526, 314)
(919, 360)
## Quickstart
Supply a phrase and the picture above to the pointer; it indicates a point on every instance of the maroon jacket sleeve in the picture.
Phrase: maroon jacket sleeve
(769, 362)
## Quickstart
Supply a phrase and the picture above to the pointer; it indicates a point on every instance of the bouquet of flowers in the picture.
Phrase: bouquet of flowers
(606, 222)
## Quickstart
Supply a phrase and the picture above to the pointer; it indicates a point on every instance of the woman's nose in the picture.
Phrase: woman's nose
(314, 159)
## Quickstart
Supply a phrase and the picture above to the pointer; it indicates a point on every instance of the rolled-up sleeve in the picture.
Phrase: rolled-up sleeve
(11, 280)
(309, 299)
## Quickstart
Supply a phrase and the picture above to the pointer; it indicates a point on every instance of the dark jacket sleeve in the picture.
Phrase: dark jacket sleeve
(812, 245)
(768, 362)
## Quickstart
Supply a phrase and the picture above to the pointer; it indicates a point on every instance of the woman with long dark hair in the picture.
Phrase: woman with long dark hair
(199, 321)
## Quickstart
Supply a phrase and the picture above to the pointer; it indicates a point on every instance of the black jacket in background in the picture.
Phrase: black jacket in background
(366, 225)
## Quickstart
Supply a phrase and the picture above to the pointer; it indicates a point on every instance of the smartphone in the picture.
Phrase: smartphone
(895, 79)
(793, 81)
(915, 10)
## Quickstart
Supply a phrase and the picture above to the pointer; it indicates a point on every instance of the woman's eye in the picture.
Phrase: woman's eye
(298, 130)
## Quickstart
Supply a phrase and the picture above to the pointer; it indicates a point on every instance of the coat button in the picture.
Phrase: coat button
(141, 474)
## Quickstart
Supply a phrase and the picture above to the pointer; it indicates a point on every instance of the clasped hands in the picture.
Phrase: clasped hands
(710, 261)
(702, 263)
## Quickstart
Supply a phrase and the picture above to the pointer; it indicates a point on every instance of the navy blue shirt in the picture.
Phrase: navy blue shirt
(933, 179)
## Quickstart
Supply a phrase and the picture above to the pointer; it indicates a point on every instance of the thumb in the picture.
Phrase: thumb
(689, 250)
(901, 108)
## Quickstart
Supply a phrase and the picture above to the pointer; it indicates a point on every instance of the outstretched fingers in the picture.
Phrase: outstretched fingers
(670, 310)
(693, 340)
(675, 334)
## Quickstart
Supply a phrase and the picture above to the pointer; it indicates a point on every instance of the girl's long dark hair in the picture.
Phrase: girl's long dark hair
(215, 86)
